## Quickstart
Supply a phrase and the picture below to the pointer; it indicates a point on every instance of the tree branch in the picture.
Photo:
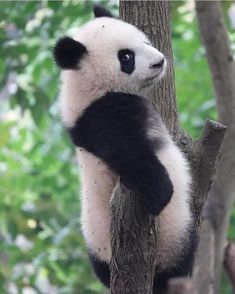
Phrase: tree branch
(205, 151)
(204, 155)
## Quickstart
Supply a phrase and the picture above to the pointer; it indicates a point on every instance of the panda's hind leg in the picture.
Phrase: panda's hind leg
(101, 269)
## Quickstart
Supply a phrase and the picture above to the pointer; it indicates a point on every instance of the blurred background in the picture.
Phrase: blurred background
(41, 246)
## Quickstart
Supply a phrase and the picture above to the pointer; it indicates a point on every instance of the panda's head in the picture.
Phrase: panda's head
(108, 54)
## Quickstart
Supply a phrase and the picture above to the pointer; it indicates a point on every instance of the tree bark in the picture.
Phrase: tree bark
(220, 59)
(153, 17)
(133, 239)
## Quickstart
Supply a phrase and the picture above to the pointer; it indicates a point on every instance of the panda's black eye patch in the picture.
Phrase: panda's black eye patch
(127, 60)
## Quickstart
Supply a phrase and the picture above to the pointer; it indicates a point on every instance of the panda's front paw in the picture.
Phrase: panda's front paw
(159, 196)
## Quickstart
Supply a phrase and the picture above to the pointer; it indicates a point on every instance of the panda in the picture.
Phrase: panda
(106, 67)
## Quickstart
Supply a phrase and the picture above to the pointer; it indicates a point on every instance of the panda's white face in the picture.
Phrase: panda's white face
(120, 57)
(106, 54)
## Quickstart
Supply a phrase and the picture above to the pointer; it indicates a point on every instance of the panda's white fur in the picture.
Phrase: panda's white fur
(99, 73)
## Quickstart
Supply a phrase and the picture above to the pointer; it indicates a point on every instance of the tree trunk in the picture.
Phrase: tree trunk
(220, 58)
(133, 242)
(153, 17)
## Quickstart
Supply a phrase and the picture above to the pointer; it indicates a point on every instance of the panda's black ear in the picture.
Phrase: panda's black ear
(68, 53)
(100, 11)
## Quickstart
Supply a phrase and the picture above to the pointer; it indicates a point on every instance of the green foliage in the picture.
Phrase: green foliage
(42, 247)
(41, 244)
(194, 87)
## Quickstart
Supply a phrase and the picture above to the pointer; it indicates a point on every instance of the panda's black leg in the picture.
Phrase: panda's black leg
(101, 269)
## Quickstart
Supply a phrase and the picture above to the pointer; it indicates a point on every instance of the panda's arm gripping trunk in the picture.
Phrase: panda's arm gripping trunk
(113, 128)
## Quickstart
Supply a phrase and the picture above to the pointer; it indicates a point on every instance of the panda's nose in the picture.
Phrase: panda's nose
(158, 64)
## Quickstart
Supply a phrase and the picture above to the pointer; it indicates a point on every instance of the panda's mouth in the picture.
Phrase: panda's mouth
(157, 75)
(150, 80)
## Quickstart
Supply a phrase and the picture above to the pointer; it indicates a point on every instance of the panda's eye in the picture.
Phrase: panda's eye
(127, 60)
(126, 57)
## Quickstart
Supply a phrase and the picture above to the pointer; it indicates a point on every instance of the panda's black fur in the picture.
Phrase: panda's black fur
(119, 132)
(124, 147)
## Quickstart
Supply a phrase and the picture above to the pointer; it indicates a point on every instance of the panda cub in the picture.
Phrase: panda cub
(117, 133)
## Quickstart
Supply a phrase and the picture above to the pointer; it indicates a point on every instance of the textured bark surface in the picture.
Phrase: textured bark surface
(203, 155)
(135, 244)
(220, 58)
(153, 17)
